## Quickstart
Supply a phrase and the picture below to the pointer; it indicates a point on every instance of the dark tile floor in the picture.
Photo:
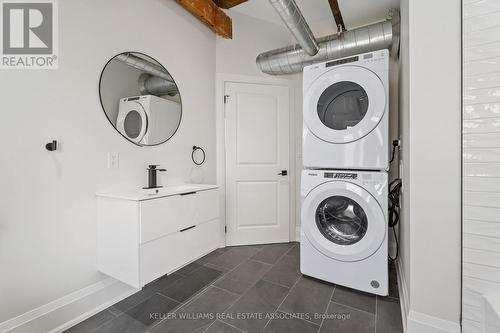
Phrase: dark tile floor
(248, 289)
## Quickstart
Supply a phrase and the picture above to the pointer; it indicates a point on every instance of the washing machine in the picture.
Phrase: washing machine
(346, 113)
(344, 228)
(147, 119)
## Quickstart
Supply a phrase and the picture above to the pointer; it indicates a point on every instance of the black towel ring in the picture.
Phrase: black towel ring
(195, 148)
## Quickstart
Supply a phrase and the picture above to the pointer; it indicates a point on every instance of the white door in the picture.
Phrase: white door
(257, 163)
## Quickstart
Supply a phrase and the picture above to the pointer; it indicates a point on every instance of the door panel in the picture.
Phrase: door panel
(258, 204)
(257, 113)
(257, 150)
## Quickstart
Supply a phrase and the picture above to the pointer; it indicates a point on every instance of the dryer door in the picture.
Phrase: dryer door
(344, 104)
(343, 221)
(132, 121)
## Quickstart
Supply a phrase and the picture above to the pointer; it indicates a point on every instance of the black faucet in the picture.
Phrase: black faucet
(152, 176)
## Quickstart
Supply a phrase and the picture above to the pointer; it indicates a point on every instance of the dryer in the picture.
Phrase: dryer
(346, 113)
(344, 228)
(147, 119)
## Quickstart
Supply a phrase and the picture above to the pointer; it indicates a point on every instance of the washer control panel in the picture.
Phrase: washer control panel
(341, 175)
(362, 177)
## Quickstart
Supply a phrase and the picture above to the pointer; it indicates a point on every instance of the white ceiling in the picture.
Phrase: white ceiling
(317, 12)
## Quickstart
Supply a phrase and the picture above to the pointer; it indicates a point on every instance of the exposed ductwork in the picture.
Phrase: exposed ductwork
(144, 65)
(293, 19)
(293, 59)
(155, 80)
(154, 85)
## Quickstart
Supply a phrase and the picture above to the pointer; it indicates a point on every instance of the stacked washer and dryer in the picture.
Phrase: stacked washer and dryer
(147, 119)
(344, 185)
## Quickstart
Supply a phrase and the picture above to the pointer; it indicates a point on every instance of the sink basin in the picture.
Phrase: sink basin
(148, 194)
(169, 190)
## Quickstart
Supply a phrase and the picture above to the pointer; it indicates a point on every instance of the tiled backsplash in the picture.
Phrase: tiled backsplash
(481, 158)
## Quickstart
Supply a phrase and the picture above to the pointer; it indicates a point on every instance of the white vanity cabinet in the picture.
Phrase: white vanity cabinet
(142, 237)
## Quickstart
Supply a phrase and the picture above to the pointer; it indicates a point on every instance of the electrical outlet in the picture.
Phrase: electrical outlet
(113, 160)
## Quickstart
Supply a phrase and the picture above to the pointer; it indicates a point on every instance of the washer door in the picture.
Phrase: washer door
(343, 221)
(344, 104)
(132, 122)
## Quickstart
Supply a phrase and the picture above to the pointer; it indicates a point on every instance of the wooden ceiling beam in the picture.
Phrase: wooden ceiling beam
(226, 4)
(337, 15)
(211, 15)
(223, 24)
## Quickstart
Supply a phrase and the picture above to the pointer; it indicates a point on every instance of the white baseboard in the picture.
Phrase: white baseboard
(423, 323)
(297, 233)
(69, 310)
(417, 322)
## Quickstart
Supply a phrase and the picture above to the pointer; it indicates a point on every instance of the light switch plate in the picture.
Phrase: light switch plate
(113, 160)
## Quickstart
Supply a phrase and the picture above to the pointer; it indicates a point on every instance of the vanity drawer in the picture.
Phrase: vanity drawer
(171, 252)
(163, 216)
(207, 206)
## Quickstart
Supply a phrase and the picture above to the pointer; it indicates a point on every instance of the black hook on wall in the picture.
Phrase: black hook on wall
(51, 146)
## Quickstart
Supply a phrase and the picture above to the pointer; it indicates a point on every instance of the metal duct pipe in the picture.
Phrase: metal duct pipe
(144, 65)
(154, 85)
(293, 59)
(292, 17)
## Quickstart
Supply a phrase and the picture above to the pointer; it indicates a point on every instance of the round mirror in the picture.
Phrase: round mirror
(140, 99)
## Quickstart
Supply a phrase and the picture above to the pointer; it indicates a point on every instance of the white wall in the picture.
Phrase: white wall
(47, 206)
(481, 158)
(431, 104)
(404, 157)
(251, 37)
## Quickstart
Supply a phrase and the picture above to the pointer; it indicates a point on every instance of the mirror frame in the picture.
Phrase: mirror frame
(104, 110)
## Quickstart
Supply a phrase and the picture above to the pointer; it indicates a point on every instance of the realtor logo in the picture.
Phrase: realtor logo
(29, 34)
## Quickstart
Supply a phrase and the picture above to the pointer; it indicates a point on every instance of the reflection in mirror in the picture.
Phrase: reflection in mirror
(140, 99)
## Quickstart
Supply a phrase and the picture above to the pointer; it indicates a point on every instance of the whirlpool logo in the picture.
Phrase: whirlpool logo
(29, 34)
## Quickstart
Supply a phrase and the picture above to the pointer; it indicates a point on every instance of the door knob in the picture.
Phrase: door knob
(283, 173)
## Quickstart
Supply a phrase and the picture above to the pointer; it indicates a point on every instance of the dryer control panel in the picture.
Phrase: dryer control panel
(343, 61)
(361, 59)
